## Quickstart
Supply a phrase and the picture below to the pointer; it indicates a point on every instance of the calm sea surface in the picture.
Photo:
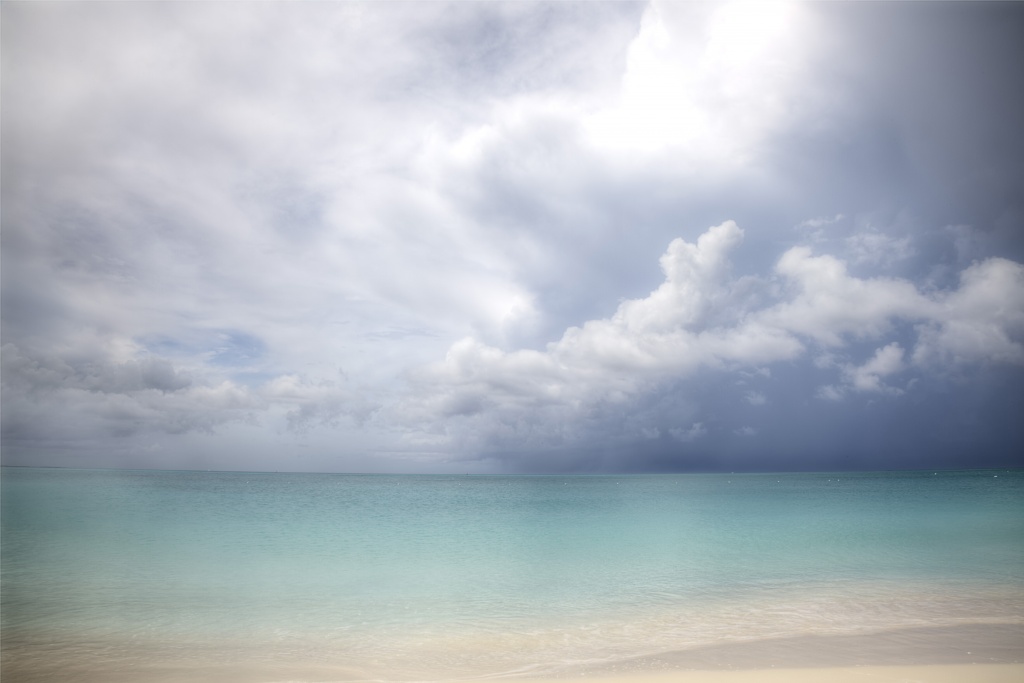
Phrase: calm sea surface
(151, 575)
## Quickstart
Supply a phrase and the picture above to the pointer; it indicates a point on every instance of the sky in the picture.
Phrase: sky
(513, 237)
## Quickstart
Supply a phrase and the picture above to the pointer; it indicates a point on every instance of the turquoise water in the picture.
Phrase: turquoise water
(147, 573)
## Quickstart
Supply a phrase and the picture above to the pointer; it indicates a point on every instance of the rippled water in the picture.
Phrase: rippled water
(150, 575)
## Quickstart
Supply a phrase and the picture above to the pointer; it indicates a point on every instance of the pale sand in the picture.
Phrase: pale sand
(967, 653)
(952, 673)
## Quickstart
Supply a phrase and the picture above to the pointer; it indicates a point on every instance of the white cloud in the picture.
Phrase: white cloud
(703, 318)
(982, 320)
(828, 303)
(887, 360)
(711, 81)
(675, 330)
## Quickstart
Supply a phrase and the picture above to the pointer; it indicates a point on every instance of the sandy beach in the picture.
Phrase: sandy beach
(961, 673)
(974, 653)
(977, 653)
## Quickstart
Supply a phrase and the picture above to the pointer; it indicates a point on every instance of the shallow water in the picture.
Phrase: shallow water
(147, 574)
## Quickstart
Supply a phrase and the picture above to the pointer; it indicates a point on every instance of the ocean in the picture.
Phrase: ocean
(131, 575)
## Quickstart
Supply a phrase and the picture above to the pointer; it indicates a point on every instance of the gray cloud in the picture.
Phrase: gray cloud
(44, 393)
(431, 233)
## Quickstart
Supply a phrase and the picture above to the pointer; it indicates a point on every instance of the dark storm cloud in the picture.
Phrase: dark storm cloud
(926, 135)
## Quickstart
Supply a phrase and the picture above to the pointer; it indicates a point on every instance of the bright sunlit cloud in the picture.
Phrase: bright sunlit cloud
(705, 81)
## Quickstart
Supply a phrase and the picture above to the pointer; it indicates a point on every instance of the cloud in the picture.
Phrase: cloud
(828, 303)
(704, 318)
(876, 248)
(755, 398)
(677, 329)
(695, 431)
(695, 91)
(321, 403)
(982, 320)
(50, 397)
(830, 392)
(887, 360)
(430, 231)
(104, 397)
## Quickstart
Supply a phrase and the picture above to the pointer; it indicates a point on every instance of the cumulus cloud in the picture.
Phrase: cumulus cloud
(870, 376)
(828, 303)
(685, 324)
(887, 360)
(982, 320)
(705, 317)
